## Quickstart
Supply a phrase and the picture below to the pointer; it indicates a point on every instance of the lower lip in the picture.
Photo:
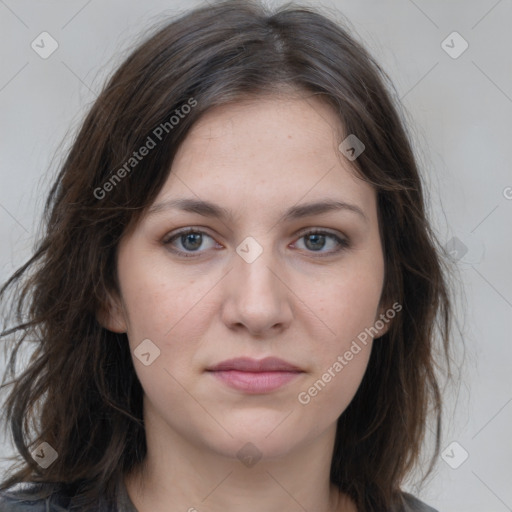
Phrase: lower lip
(255, 382)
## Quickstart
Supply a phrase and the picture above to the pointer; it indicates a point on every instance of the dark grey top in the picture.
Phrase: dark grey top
(25, 501)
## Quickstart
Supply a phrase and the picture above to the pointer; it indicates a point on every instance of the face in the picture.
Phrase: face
(268, 278)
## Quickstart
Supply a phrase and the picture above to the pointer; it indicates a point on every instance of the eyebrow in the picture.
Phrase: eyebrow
(208, 209)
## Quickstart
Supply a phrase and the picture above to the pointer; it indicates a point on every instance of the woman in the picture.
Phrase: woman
(236, 295)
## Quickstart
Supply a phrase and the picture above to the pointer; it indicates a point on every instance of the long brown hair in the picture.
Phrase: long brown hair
(80, 390)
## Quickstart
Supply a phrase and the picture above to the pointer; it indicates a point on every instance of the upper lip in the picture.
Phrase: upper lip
(246, 364)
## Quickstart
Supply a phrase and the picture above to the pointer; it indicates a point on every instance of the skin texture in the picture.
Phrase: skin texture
(256, 159)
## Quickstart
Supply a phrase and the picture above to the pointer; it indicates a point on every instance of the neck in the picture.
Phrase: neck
(178, 475)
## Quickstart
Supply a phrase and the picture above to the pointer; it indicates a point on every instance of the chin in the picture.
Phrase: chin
(257, 448)
(267, 436)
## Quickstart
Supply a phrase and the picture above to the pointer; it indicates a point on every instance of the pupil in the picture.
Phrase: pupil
(317, 237)
(190, 236)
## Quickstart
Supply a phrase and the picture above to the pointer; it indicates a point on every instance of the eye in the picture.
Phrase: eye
(315, 241)
(192, 239)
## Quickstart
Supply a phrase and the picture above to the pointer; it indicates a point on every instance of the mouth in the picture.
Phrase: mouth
(254, 376)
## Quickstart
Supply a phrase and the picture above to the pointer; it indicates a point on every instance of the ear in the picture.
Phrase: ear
(111, 315)
(384, 319)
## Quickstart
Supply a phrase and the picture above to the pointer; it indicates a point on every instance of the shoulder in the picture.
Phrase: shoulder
(31, 499)
(59, 497)
(413, 504)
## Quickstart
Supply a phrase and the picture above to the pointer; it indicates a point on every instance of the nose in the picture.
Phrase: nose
(257, 296)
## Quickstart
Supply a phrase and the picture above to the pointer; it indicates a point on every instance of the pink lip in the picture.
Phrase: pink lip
(255, 376)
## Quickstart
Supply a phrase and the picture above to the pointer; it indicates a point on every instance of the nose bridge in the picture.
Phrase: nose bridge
(256, 296)
(256, 266)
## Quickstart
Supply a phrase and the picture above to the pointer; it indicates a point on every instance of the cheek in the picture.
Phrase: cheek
(348, 305)
(329, 395)
(171, 311)
(336, 378)
(150, 295)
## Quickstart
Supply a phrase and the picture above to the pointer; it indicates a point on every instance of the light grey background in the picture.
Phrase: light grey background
(462, 114)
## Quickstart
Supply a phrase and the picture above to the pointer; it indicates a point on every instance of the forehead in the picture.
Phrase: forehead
(263, 123)
(263, 153)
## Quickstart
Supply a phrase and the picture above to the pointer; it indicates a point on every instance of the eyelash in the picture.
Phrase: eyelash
(343, 243)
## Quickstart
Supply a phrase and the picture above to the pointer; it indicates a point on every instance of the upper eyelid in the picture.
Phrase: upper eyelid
(300, 233)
